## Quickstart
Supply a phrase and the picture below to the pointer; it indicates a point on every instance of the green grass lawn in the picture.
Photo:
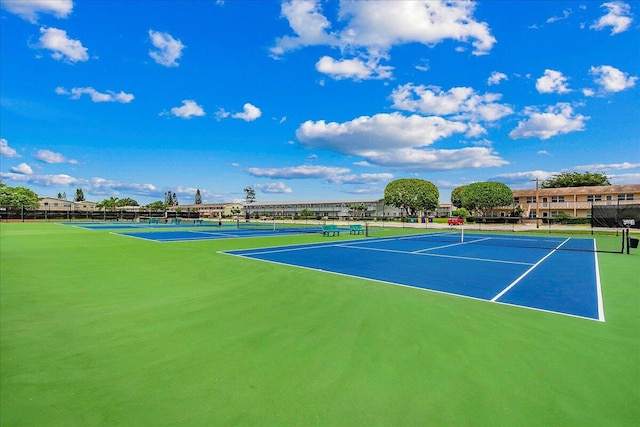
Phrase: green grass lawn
(98, 329)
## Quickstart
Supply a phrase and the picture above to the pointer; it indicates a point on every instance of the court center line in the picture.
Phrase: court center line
(526, 273)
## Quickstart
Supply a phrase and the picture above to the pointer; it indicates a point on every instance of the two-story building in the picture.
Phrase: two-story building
(572, 201)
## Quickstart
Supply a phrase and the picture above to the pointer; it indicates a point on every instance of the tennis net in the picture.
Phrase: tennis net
(279, 226)
(607, 242)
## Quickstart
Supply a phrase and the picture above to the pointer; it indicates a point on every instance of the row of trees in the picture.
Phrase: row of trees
(480, 198)
(417, 195)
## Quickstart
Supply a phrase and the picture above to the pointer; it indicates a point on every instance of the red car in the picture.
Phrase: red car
(455, 221)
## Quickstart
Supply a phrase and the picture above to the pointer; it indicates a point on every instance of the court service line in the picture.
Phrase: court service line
(598, 286)
(526, 273)
(465, 258)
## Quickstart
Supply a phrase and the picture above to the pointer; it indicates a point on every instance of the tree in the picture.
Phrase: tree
(156, 206)
(108, 204)
(79, 195)
(412, 195)
(481, 197)
(168, 198)
(456, 195)
(60, 196)
(126, 202)
(250, 197)
(18, 197)
(461, 212)
(198, 199)
(576, 179)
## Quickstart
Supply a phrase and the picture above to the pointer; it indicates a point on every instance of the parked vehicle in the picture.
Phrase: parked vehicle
(455, 221)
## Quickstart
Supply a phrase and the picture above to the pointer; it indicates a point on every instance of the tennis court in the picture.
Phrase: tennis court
(224, 232)
(558, 275)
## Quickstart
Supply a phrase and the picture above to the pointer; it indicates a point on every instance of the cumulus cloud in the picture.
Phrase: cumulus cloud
(273, 188)
(462, 103)
(63, 48)
(108, 96)
(368, 31)
(609, 166)
(618, 17)
(355, 69)
(23, 169)
(496, 77)
(298, 172)
(45, 180)
(552, 82)
(396, 141)
(610, 79)
(527, 177)
(30, 10)
(363, 178)
(250, 113)
(554, 120)
(167, 49)
(188, 109)
(625, 179)
(7, 151)
(48, 156)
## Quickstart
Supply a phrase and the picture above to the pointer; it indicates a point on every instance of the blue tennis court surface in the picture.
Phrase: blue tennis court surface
(551, 274)
(118, 225)
(182, 235)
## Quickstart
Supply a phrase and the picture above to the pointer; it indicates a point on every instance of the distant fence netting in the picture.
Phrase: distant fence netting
(617, 216)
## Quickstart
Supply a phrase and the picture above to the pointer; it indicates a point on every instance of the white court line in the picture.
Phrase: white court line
(598, 287)
(533, 267)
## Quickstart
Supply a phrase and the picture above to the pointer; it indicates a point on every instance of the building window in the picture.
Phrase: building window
(594, 198)
(531, 199)
(625, 196)
(516, 200)
(557, 199)
(532, 214)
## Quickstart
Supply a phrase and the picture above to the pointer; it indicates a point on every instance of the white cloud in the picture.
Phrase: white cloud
(552, 82)
(396, 141)
(364, 178)
(273, 188)
(381, 25)
(108, 96)
(46, 180)
(298, 172)
(250, 113)
(611, 79)
(565, 14)
(370, 29)
(625, 179)
(221, 114)
(48, 156)
(23, 169)
(528, 177)
(462, 103)
(609, 166)
(188, 109)
(168, 50)
(7, 151)
(31, 9)
(618, 17)
(62, 46)
(308, 23)
(588, 92)
(543, 153)
(355, 69)
(555, 120)
(496, 77)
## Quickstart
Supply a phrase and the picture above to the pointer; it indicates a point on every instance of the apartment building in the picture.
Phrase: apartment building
(572, 201)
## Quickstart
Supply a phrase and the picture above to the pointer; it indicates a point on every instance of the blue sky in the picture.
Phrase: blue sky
(313, 100)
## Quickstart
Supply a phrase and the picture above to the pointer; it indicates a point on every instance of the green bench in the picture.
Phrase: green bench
(330, 230)
(197, 222)
(153, 220)
(356, 229)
